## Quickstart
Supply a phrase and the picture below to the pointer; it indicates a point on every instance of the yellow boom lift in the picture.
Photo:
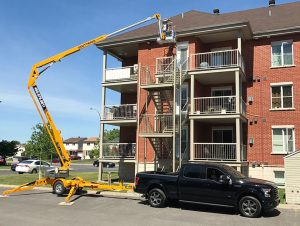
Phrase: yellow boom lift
(58, 179)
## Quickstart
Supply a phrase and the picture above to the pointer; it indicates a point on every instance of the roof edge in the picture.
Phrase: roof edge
(239, 24)
(277, 32)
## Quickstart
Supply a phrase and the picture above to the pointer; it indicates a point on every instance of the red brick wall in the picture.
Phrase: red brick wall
(257, 54)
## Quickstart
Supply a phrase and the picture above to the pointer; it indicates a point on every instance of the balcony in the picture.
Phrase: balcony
(220, 105)
(160, 75)
(118, 150)
(216, 60)
(120, 114)
(123, 79)
(218, 152)
(160, 125)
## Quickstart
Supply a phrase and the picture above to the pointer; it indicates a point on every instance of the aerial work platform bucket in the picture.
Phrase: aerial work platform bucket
(167, 33)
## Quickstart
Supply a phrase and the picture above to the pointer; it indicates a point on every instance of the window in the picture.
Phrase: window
(282, 96)
(283, 140)
(279, 177)
(88, 144)
(194, 171)
(282, 53)
(214, 174)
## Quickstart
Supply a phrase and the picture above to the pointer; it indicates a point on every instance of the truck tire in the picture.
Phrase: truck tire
(59, 188)
(250, 206)
(157, 198)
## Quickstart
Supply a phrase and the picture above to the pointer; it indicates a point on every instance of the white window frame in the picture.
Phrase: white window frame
(281, 95)
(276, 178)
(283, 141)
(282, 58)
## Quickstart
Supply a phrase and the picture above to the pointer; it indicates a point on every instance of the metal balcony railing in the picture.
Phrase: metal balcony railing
(120, 112)
(216, 59)
(165, 65)
(119, 150)
(215, 105)
(122, 73)
(244, 107)
(215, 151)
(157, 123)
(243, 152)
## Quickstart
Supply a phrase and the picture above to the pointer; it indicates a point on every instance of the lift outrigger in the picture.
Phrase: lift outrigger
(58, 179)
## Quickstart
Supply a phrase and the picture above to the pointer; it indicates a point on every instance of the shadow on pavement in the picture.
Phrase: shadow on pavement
(273, 213)
(199, 207)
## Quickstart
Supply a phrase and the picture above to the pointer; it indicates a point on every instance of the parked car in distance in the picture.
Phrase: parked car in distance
(105, 164)
(75, 157)
(16, 160)
(32, 166)
(2, 161)
(208, 183)
(55, 160)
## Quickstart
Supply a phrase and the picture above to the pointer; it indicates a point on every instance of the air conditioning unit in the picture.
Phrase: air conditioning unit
(135, 68)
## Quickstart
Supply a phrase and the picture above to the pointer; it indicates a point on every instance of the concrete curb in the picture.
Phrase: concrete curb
(110, 194)
(289, 206)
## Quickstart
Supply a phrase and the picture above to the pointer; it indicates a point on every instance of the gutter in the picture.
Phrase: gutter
(277, 32)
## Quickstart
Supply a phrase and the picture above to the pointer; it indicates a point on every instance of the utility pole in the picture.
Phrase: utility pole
(100, 165)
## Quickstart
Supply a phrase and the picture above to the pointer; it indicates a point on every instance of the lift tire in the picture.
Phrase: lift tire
(59, 188)
(157, 198)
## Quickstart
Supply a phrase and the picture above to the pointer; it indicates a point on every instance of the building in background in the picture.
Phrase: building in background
(88, 145)
(74, 146)
(227, 91)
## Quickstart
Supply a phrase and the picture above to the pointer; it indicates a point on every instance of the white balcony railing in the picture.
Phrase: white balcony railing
(157, 123)
(216, 59)
(215, 105)
(122, 73)
(118, 150)
(120, 112)
(215, 151)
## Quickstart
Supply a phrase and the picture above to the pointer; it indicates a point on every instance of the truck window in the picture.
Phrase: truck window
(213, 174)
(194, 172)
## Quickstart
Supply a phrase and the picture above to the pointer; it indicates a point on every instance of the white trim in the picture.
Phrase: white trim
(283, 127)
(281, 53)
(281, 83)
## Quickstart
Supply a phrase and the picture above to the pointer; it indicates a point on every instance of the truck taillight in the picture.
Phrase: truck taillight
(136, 181)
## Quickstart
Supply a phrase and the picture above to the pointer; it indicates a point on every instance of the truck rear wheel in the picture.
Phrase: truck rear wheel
(59, 188)
(157, 198)
(250, 206)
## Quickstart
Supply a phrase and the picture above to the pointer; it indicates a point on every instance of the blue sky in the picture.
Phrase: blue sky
(33, 30)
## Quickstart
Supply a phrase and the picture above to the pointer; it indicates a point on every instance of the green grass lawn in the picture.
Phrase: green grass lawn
(18, 179)
(4, 167)
(281, 192)
(83, 161)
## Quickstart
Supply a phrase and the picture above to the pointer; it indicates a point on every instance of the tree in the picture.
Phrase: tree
(8, 148)
(109, 136)
(40, 144)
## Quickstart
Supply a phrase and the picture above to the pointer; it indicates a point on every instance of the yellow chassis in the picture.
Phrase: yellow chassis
(73, 185)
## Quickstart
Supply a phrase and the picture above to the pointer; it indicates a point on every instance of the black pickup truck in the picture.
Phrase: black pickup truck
(208, 183)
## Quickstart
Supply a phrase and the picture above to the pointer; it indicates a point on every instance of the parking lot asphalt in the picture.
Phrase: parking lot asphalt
(40, 207)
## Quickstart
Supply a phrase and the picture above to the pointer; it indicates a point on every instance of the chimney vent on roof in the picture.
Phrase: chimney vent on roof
(271, 2)
(216, 11)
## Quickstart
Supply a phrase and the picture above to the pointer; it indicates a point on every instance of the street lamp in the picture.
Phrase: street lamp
(100, 165)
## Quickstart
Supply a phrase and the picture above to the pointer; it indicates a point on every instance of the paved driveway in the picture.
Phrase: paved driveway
(41, 208)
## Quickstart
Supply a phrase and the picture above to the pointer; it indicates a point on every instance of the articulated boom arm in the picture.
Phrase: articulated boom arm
(53, 132)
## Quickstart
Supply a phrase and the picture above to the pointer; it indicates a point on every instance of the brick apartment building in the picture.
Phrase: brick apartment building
(227, 91)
